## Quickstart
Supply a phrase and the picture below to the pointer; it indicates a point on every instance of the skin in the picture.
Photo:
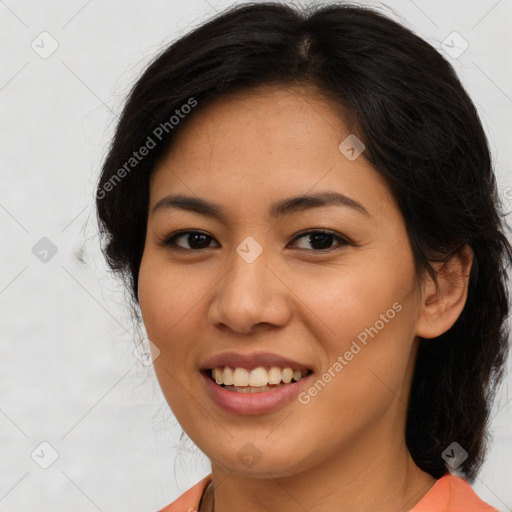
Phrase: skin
(344, 450)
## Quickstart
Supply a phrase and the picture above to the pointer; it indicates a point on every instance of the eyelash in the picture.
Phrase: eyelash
(169, 241)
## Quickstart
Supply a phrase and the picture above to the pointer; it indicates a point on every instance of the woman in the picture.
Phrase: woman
(351, 375)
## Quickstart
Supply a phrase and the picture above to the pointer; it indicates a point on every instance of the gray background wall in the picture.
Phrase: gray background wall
(68, 374)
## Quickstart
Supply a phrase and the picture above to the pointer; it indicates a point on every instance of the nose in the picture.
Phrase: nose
(250, 297)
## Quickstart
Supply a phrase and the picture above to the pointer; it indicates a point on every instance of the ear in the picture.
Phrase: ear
(442, 305)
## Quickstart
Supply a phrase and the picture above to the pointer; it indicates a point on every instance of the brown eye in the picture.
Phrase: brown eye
(322, 240)
(319, 240)
(196, 240)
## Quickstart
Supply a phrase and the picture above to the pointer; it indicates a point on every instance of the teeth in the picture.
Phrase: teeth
(287, 375)
(257, 377)
(227, 376)
(217, 375)
(274, 375)
(240, 377)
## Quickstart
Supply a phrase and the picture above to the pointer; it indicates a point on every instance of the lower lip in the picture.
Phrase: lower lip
(253, 403)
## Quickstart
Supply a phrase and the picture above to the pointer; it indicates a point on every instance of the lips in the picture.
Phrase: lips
(249, 403)
(251, 361)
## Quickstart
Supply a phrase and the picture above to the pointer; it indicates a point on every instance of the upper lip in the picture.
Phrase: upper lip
(251, 361)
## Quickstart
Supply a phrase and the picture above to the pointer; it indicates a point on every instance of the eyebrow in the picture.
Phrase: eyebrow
(277, 210)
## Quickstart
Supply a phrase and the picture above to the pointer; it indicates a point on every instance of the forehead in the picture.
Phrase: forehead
(271, 115)
(263, 145)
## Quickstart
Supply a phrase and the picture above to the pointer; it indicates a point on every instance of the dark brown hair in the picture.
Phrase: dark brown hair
(421, 132)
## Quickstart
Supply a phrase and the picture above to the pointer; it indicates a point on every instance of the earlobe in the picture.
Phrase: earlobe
(441, 306)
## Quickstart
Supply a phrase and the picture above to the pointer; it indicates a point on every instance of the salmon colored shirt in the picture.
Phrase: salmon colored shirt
(449, 494)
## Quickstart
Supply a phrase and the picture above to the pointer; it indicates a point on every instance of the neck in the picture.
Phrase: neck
(370, 476)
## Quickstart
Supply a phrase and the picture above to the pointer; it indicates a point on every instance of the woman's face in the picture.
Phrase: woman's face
(344, 305)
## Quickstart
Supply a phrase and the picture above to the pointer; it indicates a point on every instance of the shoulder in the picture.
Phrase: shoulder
(452, 494)
(190, 498)
(449, 494)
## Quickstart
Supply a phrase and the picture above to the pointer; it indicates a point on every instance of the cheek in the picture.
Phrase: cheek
(163, 297)
(171, 299)
(159, 283)
(167, 308)
(348, 299)
(368, 316)
(151, 299)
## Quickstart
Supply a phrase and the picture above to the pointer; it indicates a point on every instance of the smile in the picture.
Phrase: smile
(247, 399)
(255, 380)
